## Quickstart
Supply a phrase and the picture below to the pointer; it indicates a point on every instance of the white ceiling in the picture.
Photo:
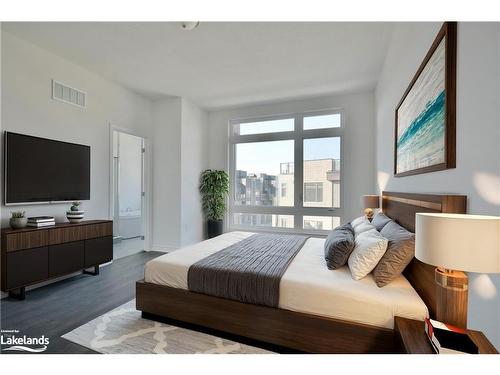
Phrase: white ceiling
(221, 64)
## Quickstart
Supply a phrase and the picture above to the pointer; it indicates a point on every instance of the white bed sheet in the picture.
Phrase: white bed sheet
(307, 285)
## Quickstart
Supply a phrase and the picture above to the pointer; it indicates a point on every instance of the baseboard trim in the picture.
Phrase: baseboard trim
(164, 248)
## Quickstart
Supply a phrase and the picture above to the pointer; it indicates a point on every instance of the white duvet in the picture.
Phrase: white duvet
(307, 285)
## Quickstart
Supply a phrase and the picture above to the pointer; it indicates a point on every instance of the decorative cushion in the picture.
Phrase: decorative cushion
(380, 220)
(363, 227)
(358, 221)
(400, 252)
(338, 246)
(369, 247)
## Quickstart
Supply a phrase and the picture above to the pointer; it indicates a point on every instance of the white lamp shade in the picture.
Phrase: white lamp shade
(458, 242)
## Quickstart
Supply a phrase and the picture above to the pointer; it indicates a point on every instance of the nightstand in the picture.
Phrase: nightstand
(411, 338)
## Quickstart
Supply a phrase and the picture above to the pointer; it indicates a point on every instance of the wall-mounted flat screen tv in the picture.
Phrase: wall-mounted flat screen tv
(44, 170)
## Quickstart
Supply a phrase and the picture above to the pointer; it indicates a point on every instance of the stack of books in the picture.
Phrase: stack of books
(41, 221)
(448, 339)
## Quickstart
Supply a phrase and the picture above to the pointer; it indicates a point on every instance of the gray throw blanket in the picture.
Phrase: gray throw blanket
(248, 271)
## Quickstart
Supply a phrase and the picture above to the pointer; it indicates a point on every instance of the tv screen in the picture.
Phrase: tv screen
(44, 170)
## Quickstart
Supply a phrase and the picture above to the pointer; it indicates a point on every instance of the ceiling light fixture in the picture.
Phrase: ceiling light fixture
(189, 25)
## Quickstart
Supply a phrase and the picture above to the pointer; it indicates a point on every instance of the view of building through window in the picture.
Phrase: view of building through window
(264, 175)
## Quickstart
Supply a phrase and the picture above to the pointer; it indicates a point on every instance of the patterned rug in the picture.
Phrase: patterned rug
(124, 331)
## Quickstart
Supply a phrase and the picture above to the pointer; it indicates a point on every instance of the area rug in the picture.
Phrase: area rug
(124, 331)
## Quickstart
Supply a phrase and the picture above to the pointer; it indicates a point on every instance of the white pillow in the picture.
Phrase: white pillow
(369, 248)
(358, 221)
(363, 227)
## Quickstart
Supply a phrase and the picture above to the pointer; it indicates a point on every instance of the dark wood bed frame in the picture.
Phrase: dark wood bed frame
(295, 330)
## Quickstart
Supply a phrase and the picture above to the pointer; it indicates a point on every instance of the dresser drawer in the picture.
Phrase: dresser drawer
(26, 267)
(26, 240)
(66, 234)
(98, 230)
(66, 258)
(98, 251)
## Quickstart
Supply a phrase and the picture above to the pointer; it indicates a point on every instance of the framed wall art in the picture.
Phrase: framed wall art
(425, 117)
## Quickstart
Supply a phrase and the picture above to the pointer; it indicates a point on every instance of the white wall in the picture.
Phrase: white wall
(358, 141)
(478, 122)
(167, 174)
(180, 154)
(27, 108)
(193, 162)
(175, 127)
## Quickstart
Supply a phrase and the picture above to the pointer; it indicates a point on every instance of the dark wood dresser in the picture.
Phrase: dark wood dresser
(33, 255)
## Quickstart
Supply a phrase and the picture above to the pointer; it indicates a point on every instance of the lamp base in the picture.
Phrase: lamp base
(451, 297)
(369, 214)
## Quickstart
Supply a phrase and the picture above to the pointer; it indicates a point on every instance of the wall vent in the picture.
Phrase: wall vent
(69, 95)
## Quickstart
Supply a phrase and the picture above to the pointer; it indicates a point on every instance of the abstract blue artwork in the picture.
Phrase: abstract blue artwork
(421, 116)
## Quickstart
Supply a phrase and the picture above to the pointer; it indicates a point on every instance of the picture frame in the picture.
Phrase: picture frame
(425, 117)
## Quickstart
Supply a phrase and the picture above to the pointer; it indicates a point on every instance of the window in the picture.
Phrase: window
(263, 220)
(322, 122)
(322, 163)
(320, 222)
(313, 224)
(266, 156)
(256, 175)
(283, 190)
(313, 192)
(271, 126)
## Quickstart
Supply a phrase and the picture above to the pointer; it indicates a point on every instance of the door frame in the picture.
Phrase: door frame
(147, 180)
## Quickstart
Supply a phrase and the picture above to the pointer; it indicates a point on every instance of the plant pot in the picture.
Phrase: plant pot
(75, 216)
(214, 228)
(18, 222)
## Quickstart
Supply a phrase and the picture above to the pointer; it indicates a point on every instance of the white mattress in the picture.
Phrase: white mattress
(307, 285)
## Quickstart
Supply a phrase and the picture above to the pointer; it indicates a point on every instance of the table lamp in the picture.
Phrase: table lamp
(369, 203)
(455, 243)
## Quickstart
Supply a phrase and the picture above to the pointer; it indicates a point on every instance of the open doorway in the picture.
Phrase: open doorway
(128, 194)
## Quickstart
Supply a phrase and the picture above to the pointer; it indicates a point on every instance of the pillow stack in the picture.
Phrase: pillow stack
(382, 247)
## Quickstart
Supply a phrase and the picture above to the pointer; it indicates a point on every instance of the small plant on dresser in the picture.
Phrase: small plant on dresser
(75, 206)
(18, 219)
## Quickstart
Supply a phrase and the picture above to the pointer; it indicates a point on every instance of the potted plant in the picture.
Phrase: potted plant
(75, 206)
(18, 219)
(214, 187)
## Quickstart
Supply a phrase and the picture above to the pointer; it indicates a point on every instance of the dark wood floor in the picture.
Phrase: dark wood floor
(58, 308)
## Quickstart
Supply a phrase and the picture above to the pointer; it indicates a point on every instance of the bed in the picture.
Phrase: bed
(307, 286)
(319, 311)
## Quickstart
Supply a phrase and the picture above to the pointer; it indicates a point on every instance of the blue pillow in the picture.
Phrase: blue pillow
(338, 246)
(380, 220)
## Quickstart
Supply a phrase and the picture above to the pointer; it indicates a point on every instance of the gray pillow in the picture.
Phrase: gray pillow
(338, 246)
(400, 252)
(380, 220)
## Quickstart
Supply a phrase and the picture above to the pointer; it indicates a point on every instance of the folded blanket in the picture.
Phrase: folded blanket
(248, 271)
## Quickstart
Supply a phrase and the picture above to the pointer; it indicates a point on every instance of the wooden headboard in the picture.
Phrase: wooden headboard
(402, 207)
